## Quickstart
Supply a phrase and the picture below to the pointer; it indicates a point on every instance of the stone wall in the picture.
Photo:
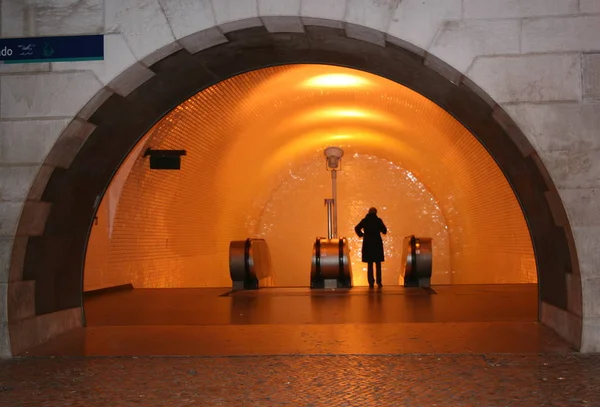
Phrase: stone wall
(539, 59)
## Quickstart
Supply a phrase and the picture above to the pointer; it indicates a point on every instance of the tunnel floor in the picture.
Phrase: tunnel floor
(284, 321)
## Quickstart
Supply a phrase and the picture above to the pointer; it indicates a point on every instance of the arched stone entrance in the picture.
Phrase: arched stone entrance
(60, 217)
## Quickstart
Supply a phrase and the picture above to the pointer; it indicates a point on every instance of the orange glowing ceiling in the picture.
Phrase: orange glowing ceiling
(297, 109)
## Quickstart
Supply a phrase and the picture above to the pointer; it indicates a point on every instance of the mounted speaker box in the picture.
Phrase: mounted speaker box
(165, 159)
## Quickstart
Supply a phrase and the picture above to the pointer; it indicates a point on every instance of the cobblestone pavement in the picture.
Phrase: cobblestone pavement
(483, 380)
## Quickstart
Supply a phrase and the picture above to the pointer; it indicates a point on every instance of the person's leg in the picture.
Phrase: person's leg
(370, 274)
(378, 267)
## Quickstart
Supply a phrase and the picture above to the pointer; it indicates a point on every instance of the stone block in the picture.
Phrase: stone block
(6, 246)
(590, 336)
(365, 34)
(15, 182)
(283, 24)
(574, 294)
(482, 93)
(25, 68)
(556, 34)
(459, 42)
(14, 23)
(203, 40)
(376, 15)
(518, 8)
(94, 103)
(417, 21)
(591, 75)
(67, 17)
(28, 141)
(130, 79)
(307, 21)
(117, 58)
(589, 6)
(141, 22)
(587, 241)
(187, 17)
(573, 168)
(325, 9)
(529, 78)
(4, 309)
(544, 175)
(241, 25)
(40, 182)
(279, 7)
(514, 132)
(46, 95)
(582, 205)
(30, 332)
(33, 218)
(17, 260)
(442, 68)
(559, 215)
(21, 300)
(591, 288)
(161, 54)
(567, 325)
(69, 143)
(559, 126)
(10, 212)
(5, 348)
(420, 52)
(227, 11)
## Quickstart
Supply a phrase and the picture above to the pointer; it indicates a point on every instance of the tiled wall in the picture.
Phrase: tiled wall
(255, 167)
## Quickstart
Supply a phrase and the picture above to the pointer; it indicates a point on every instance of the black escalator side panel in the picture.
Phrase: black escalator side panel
(341, 260)
(250, 282)
(318, 259)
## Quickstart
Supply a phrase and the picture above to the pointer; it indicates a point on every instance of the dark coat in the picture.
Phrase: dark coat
(370, 229)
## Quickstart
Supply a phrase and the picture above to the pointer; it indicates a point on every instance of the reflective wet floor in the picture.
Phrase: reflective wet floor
(359, 305)
(298, 321)
(450, 346)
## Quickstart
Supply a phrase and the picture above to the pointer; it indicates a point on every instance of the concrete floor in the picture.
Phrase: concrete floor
(298, 321)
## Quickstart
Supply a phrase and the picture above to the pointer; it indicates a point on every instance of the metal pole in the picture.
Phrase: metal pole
(329, 203)
(334, 193)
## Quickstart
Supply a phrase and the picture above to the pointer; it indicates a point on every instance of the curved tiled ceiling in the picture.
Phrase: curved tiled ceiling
(255, 168)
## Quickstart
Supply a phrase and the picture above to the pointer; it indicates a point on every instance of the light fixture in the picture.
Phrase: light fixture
(345, 113)
(340, 137)
(333, 157)
(336, 80)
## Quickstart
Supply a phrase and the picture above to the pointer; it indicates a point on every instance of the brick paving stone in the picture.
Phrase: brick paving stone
(481, 380)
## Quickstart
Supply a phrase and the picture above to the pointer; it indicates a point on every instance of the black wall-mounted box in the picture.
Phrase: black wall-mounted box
(165, 159)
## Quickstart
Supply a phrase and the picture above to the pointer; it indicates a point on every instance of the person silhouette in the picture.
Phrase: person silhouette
(370, 229)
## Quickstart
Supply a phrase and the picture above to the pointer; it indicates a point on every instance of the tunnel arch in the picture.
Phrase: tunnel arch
(54, 259)
(254, 167)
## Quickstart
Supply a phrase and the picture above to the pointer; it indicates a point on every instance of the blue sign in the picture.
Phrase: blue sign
(51, 49)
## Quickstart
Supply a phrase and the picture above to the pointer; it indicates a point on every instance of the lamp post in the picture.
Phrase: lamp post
(331, 257)
(334, 162)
